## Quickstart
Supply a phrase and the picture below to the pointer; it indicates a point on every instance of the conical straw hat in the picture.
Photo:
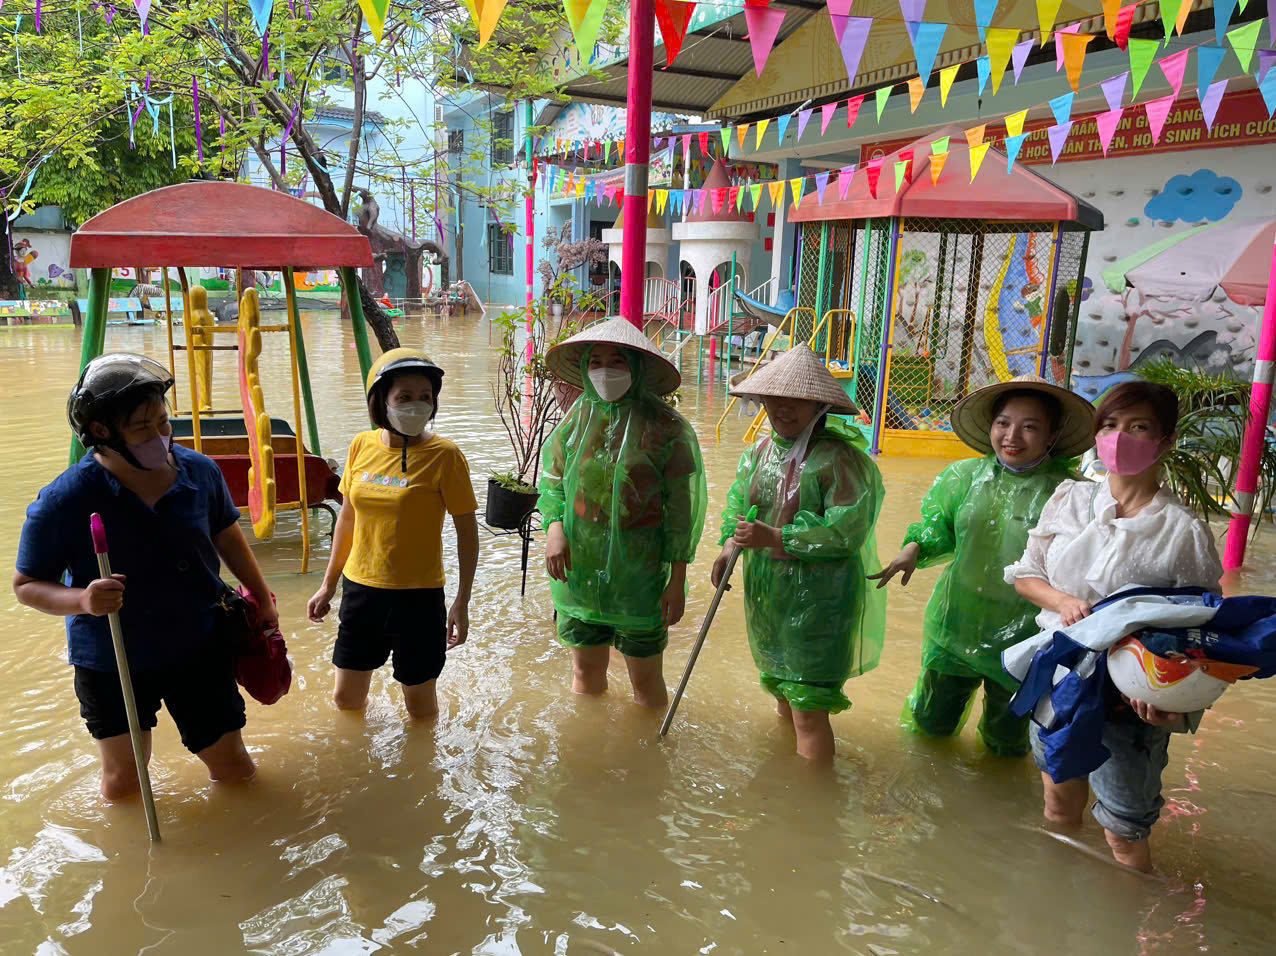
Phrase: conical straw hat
(972, 416)
(798, 373)
(564, 359)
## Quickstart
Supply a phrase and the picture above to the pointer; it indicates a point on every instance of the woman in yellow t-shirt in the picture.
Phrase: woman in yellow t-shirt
(387, 547)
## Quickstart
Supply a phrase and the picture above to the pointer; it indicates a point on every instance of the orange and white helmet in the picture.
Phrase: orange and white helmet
(1177, 684)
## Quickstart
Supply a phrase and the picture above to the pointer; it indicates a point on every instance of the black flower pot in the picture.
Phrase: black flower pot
(506, 509)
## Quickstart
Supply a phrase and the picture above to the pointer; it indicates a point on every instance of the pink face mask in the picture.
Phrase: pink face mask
(1124, 454)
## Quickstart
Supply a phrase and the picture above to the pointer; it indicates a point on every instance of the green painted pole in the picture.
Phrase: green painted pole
(821, 273)
(93, 336)
(303, 367)
(350, 283)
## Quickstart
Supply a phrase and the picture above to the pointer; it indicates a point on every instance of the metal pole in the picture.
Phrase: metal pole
(1076, 312)
(312, 425)
(730, 307)
(633, 252)
(350, 282)
(888, 310)
(1260, 399)
(187, 323)
(91, 334)
(859, 312)
(1050, 287)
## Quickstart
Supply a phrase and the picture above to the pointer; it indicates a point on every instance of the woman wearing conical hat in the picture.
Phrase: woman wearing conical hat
(976, 518)
(623, 499)
(812, 619)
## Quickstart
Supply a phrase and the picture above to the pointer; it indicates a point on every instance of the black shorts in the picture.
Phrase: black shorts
(201, 696)
(410, 623)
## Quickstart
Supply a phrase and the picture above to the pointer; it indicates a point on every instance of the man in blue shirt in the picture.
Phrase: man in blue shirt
(170, 522)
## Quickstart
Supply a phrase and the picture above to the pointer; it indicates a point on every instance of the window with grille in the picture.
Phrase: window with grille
(502, 138)
(500, 251)
(455, 140)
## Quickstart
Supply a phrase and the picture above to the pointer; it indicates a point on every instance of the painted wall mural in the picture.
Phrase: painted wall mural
(45, 256)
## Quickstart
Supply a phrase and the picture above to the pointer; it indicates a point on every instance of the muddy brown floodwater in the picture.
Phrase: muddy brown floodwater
(530, 821)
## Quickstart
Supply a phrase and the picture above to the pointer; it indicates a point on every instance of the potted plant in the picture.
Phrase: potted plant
(559, 285)
(526, 402)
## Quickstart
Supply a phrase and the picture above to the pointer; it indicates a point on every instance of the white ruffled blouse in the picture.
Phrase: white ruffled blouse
(1082, 548)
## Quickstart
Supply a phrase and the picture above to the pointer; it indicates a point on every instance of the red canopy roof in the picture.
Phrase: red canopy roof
(1019, 196)
(217, 224)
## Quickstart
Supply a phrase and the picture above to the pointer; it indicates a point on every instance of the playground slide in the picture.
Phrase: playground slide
(261, 475)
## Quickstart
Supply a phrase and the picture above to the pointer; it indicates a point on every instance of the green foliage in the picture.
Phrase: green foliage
(510, 482)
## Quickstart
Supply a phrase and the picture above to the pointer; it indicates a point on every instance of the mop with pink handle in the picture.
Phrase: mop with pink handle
(126, 684)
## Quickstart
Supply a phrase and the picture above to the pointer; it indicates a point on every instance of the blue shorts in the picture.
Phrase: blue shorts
(1127, 788)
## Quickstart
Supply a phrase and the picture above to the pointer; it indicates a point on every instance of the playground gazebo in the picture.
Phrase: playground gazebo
(953, 285)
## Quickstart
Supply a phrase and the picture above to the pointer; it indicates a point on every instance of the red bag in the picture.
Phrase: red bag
(261, 658)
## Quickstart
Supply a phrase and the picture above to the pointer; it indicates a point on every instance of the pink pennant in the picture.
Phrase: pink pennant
(838, 11)
(1173, 66)
(1058, 136)
(1019, 56)
(844, 177)
(853, 109)
(1107, 123)
(1209, 102)
(764, 27)
(719, 198)
(826, 114)
(700, 196)
(804, 117)
(1157, 110)
(1058, 44)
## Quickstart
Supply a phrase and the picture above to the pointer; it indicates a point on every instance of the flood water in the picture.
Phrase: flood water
(531, 821)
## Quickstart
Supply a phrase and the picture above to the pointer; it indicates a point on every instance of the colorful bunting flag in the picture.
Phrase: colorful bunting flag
(844, 177)
(262, 9)
(736, 198)
(1061, 106)
(796, 184)
(1019, 56)
(1107, 123)
(1265, 60)
(1244, 40)
(939, 146)
(673, 18)
(853, 108)
(804, 117)
(1047, 10)
(704, 145)
(1074, 55)
(719, 198)
(975, 136)
(900, 168)
(762, 125)
(1013, 145)
(755, 194)
(1058, 136)
(906, 157)
(916, 88)
(1157, 110)
(1169, 16)
(776, 189)
(977, 155)
(914, 11)
(741, 132)
(826, 115)
(725, 133)
(583, 16)
(838, 9)
(882, 93)
(1110, 8)
(1223, 10)
(764, 27)
(984, 10)
(1000, 43)
(1014, 123)
(985, 70)
(1058, 43)
(946, 77)
(821, 184)
(1268, 89)
(1141, 53)
(1174, 66)
(782, 126)
(873, 172)
(927, 39)
(855, 32)
(1125, 20)
(1114, 90)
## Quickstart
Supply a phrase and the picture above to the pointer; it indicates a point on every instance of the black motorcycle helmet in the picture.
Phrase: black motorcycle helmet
(109, 388)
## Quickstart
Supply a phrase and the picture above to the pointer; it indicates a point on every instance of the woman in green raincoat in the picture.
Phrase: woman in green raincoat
(813, 622)
(623, 500)
(976, 518)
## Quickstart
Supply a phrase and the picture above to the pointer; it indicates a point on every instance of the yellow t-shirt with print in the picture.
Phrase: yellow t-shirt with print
(398, 515)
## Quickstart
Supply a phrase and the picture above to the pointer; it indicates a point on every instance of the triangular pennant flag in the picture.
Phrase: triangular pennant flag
(838, 9)
(984, 10)
(916, 88)
(1223, 10)
(977, 159)
(906, 157)
(374, 12)
(762, 125)
(1058, 43)
(673, 18)
(686, 149)
(1061, 106)
(874, 172)
(1110, 8)
(939, 146)
(1000, 44)
(844, 177)
(1019, 56)
(821, 184)
(662, 200)
(913, 12)
(782, 126)
(937, 166)
(1186, 9)
(1174, 66)
(704, 145)
(1169, 16)
(826, 114)
(1107, 123)
(1208, 59)
(719, 198)
(900, 167)
(946, 77)
(985, 70)
(261, 10)
(882, 93)
(1047, 10)
(1058, 136)
(1157, 110)
(1074, 55)
(1265, 60)
(701, 196)
(854, 36)
(804, 117)
(755, 194)
(927, 39)
(1244, 40)
(764, 27)
(1114, 90)
(583, 16)
(975, 136)
(796, 185)
(1013, 144)
(776, 189)
(853, 109)
(1014, 123)
(1125, 20)
(1267, 88)
(651, 198)
(1141, 53)
(736, 197)
(741, 132)
(726, 139)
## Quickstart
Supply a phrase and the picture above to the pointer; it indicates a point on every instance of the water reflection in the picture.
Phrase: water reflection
(529, 821)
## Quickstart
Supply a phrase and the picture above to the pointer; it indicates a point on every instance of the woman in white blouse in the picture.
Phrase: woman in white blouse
(1092, 540)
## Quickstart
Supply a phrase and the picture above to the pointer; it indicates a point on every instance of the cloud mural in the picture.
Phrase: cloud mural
(1204, 195)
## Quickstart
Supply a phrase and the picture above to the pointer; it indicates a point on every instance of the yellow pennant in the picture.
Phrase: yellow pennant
(916, 88)
(946, 77)
(977, 158)
(662, 200)
(937, 161)
(762, 125)
(1047, 10)
(1000, 44)
(796, 185)
(374, 12)
(776, 189)
(1110, 10)
(1014, 123)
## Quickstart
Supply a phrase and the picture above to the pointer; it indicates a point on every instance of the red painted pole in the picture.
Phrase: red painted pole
(642, 37)
(1260, 399)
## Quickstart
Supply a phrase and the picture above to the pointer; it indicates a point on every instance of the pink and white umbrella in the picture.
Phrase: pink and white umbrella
(1235, 255)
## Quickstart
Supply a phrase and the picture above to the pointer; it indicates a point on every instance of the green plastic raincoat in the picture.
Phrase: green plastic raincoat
(627, 481)
(813, 620)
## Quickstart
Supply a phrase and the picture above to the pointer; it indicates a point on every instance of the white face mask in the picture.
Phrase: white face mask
(409, 418)
(611, 383)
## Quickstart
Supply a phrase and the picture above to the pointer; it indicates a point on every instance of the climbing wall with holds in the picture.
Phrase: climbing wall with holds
(1145, 200)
